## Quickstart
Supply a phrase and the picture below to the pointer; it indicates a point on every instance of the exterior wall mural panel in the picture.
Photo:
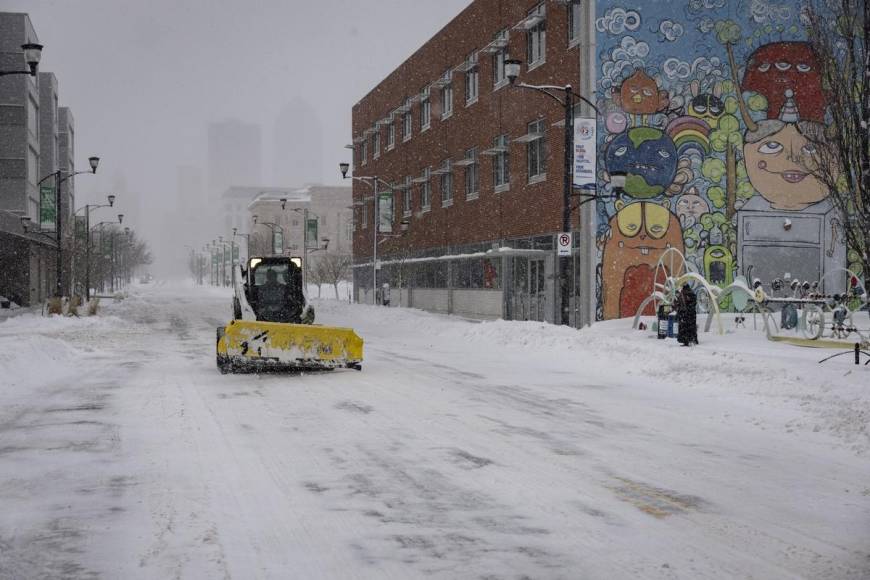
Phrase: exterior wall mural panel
(705, 106)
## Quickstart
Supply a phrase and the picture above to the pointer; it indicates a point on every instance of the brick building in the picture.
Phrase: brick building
(475, 165)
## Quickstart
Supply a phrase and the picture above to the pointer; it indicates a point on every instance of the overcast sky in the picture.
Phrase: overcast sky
(144, 77)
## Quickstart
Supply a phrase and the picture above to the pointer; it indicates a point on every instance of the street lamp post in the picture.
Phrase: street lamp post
(512, 71)
(247, 242)
(373, 181)
(111, 252)
(88, 209)
(32, 56)
(58, 180)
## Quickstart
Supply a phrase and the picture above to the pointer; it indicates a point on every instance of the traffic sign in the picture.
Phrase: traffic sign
(564, 244)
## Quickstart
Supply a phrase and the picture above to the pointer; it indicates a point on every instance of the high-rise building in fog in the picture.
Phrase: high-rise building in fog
(297, 146)
(234, 156)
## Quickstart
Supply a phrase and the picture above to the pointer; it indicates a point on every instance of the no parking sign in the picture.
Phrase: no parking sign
(564, 244)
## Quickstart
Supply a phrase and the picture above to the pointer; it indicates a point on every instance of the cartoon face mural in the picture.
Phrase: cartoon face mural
(706, 106)
(640, 95)
(690, 207)
(639, 235)
(647, 156)
(777, 157)
(721, 117)
(780, 66)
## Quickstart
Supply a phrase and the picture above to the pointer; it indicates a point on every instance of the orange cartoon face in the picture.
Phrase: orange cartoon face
(778, 159)
(640, 95)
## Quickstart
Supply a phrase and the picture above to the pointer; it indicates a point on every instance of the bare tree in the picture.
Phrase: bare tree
(331, 269)
(839, 31)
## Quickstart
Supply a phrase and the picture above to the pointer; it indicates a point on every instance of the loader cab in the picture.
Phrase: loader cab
(273, 287)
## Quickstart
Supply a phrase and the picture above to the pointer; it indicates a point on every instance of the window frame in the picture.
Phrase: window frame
(425, 109)
(472, 174)
(446, 179)
(363, 152)
(391, 136)
(499, 79)
(574, 22)
(376, 143)
(540, 148)
(407, 198)
(426, 190)
(407, 121)
(447, 91)
(536, 36)
(472, 79)
(501, 174)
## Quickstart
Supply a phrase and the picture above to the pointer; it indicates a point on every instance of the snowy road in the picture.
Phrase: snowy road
(462, 450)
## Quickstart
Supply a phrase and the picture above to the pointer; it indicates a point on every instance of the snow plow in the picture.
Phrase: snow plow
(273, 325)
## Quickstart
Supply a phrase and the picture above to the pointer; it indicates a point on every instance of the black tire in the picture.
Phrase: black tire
(223, 365)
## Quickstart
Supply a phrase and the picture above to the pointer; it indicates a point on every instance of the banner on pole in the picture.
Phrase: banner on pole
(277, 242)
(311, 233)
(47, 208)
(235, 254)
(584, 153)
(385, 213)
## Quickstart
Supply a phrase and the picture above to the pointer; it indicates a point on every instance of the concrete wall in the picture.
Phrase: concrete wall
(487, 304)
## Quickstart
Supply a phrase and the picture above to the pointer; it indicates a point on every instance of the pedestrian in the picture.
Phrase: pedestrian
(687, 316)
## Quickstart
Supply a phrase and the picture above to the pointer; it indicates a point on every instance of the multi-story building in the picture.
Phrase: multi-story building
(25, 273)
(474, 163)
(234, 155)
(699, 108)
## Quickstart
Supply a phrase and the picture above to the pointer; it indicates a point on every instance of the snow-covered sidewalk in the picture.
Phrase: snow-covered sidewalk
(462, 450)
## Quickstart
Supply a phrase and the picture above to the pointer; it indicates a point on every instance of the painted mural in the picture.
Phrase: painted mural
(705, 107)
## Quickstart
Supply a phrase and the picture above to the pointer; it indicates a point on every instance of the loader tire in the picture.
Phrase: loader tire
(223, 364)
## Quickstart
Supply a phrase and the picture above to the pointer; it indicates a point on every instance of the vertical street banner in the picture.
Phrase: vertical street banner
(311, 233)
(81, 228)
(106, 243)
(235, 254)
(385, 213)
(47, 209)
(584, 153)
(277, 242)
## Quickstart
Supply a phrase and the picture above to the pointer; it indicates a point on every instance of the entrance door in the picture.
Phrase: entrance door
(529, 299)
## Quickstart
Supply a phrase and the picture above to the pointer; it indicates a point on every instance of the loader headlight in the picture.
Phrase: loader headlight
(253, 263)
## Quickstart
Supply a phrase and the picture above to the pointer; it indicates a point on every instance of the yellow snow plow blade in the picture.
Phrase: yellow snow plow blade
(248, 345)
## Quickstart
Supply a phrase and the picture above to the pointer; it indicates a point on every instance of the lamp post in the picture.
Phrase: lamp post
(88, 209)
(272, 226)
(373, 181)
(93, 161)
(32, 56)
(111, 250)
(247, 242)
(512, 71)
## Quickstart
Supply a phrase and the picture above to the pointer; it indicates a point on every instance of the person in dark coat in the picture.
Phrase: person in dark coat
(687, 316)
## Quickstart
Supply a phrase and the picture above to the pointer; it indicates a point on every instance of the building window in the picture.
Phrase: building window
(447, 96)
(32, 166)
(574, 22)
(33, 117)
(472, 174)
(446, 184)
(536, 152)
(364, 152)
(426, 190)
(407, 121)
(425, 110)
(376, 143)
(406, 197)
(348, 230)
(536, 36)
(501, 176)
(472, 80)
(498, 77)
(391, 136)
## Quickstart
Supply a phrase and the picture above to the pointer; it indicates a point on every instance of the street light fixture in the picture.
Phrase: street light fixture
(32, 56)
(58, 213)
(373, 182)
(88, 209)
(120, 218)
(512, 72)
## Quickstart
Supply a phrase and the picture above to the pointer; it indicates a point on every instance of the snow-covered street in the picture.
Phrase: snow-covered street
(462, 450)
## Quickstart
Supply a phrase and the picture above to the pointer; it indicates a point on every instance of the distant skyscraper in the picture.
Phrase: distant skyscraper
(297, 147)
(234, 156)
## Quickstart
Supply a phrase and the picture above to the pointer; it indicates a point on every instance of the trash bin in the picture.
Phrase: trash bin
(662, 321)
(672, 324)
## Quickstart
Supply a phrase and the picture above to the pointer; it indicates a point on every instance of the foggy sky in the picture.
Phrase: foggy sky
(145, 77)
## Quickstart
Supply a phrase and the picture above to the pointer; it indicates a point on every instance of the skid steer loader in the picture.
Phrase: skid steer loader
(273, 325)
